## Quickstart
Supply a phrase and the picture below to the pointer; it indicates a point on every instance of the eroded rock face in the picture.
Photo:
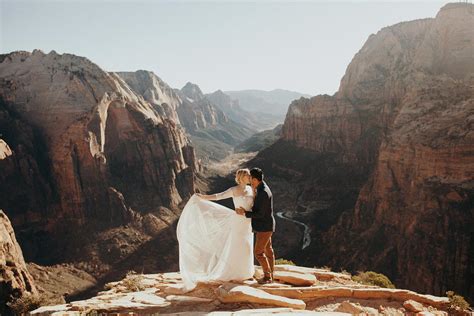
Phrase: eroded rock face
(15, 280)
(154, 90)
(197, 112)
(418, 201)
(389, 182)
(86, 147)
(25, 183)
(211, 131)
(234, 111)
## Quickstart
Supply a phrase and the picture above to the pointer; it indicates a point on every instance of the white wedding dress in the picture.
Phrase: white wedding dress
(215, 243)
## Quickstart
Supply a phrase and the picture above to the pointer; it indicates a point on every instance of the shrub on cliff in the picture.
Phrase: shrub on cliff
(457, 301)
(284, 261)
(133, 282)
(373, 278)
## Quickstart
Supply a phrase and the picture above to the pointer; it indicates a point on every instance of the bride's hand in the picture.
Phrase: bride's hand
(240, 211)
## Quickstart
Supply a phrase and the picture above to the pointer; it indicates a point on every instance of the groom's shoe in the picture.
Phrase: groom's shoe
(265, 280)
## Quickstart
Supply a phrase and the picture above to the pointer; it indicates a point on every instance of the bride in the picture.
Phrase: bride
(215, 243)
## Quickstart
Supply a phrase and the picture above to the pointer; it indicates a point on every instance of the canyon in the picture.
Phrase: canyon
(212, 129)
(91, 172)
(96, 166)
(382, 172)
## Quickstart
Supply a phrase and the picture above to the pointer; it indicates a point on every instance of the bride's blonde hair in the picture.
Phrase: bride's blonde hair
(239, 175)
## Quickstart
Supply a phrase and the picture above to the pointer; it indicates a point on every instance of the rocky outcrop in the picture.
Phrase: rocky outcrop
(15, 280)
(228, 105)
(187, 106)
(153, 89)
(235, 112)
(229, 293)
(336, 295)
(384, 167)
(294, 278)
(417, 201)
(26, 186)
(192, 92)
(211, 131)
(197, 112)
(86, 148)
(424, 171)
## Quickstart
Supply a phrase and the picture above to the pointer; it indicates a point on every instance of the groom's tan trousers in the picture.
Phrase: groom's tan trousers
(264, 252)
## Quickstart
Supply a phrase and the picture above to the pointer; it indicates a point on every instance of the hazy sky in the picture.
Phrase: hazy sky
(304, 46)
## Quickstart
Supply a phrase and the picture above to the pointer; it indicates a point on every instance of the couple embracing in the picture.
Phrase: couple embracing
(216, 243)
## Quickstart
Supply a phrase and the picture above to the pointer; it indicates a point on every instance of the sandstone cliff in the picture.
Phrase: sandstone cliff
(211, 131)
(154, 90)
(197, 112)
(15, 280)
(86, 149)
(234, 111)
(384, 169)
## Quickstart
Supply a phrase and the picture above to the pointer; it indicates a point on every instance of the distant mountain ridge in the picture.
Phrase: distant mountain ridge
(211, 131)
(253, 120)
(210, 128)
(274, 102)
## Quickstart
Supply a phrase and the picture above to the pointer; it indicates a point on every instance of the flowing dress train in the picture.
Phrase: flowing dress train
(215, 243)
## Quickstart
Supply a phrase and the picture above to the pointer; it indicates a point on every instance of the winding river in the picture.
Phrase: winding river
(307, 231)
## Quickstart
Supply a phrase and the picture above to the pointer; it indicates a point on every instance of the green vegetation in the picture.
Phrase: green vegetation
(457, 301)
(373, 278)
(284, 261)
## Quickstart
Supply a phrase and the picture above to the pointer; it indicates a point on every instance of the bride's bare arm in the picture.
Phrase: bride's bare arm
(218, 196)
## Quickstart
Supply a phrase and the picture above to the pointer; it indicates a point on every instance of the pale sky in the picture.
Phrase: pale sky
(228, 45)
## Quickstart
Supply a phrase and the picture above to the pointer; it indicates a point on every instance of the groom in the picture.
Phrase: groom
(263, 224)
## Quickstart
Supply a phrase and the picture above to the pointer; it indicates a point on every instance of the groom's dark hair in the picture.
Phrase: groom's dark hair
(256, 173)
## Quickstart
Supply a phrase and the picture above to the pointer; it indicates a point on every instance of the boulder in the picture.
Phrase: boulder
(231, 293)
(294, 278)
(321, 274)
(413, 306)
(351, 308)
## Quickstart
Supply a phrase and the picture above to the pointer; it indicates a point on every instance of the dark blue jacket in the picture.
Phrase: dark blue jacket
(262, 210)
